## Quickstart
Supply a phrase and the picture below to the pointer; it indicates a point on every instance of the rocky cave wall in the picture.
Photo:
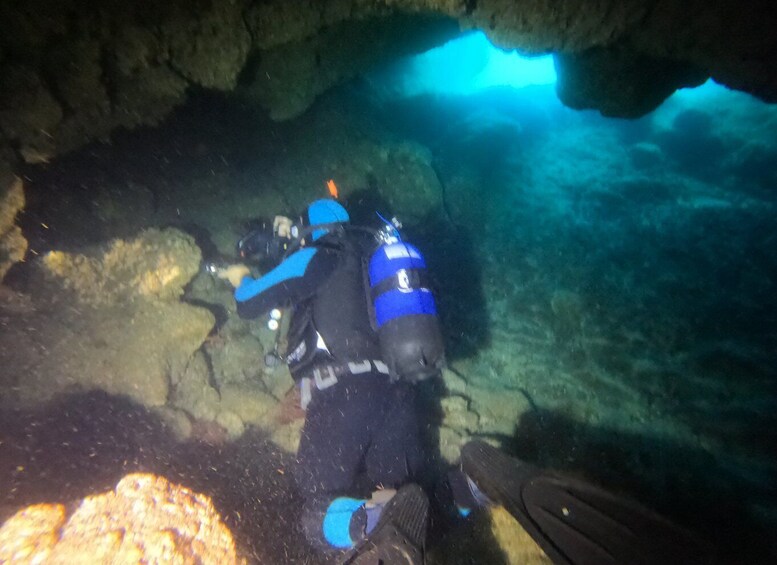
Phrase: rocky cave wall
(76, 70)
(73, 71)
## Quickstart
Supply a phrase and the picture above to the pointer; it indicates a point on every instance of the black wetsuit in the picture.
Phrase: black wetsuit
(362, 430)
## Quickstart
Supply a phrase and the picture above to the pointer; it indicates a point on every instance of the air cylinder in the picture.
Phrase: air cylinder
(405, 312)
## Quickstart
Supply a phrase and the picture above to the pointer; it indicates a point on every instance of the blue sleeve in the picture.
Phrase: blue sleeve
(285, 283)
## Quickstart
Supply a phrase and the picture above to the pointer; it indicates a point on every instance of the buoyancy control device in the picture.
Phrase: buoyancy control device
(404, 309)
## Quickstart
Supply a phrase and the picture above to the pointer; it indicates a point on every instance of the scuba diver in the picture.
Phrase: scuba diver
(363, 330)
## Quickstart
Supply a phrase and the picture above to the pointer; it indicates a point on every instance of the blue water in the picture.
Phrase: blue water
(607, 288)
(627, 273)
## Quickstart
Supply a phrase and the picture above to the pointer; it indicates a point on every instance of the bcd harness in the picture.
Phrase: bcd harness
(401, 309)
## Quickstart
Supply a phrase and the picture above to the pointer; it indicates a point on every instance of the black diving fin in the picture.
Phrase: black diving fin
(574, 522)
(399, 535)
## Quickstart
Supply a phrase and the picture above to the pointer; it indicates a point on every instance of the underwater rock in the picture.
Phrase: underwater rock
(646, 156)
(13, 245)
(404, 176)
(727, 43)
(289, 77)
(459, 204)
(250, 404)
(567, 308)
(209, 432)
(276, 23)
(693, 143)
(155, 265)
(454, 383)
(123, 210)
(482, 148)
(290, 407)
(539, 28)
(211, 48)
(176, 422)
(126, 333)
(451, 442)
(124, 350)
(288, 436)
(642, 191)
(71, 83)
(499, 411)
(145, 519)
(73, 72)
(236, 358)
(231, 407)
(31, 534)
(76, 69)
(232, 423)
(192, 391)
(483, 135)
(29, 114)
(146, 97)
(458, 415)
(459, 424)
(518, 546)
(619, 82)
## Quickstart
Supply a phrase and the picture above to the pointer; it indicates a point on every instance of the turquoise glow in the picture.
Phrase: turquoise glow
(471, 63)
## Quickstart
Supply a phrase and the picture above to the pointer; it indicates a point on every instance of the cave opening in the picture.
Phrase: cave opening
(461, 66)
(606, 286)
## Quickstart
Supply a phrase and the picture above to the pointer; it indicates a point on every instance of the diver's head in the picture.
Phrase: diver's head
(326, 211)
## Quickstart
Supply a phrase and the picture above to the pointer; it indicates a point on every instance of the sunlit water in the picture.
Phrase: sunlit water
(606, 287)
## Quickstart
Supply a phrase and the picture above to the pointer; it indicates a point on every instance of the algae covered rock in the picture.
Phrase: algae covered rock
(405, 177)
(28, 112)
(80, 71)
(192, 391)
(568, 312)
(293, 71)
(13, 245)
(517, 545)
(126, 332)
(236, 357)
(287, 436)
(459, 423)
(251, 405)
(211, 49)
(157, 264)
(131, 349)
(231, 423)
(146, 519)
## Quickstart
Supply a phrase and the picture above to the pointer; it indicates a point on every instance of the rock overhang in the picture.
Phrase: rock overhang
(76, 71)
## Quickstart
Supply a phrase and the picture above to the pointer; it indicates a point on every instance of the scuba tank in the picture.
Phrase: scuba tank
(405, 313)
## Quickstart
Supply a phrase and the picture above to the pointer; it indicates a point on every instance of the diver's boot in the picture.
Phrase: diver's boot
(575, 522)
(399, 535)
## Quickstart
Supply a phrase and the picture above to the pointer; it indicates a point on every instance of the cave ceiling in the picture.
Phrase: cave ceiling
(75, 71)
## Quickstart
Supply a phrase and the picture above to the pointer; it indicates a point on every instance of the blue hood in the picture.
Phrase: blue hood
(326, 211)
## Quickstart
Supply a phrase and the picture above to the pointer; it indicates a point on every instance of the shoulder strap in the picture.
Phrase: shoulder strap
(335, 227)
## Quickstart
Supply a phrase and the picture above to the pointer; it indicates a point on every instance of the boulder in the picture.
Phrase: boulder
(108, 319)
(13, 245)
(146, 519)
